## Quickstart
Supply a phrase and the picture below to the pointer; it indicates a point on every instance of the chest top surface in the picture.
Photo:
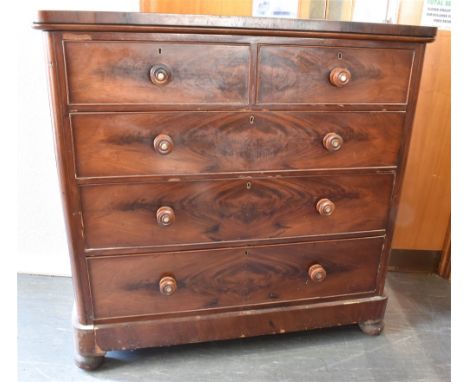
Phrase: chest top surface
(129, 21)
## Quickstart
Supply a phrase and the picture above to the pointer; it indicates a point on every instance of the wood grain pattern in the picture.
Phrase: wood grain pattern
(147, 22)
(292, 74)
(251, 322)
(412, 100)
(88, 355)
(424, 210)
(263, 193)
(119, 72)
(227, 210)
(129, 285)
(119, 144)
(229, 40)
(70, 194)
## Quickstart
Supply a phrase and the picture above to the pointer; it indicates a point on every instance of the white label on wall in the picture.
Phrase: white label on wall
(437, 13)
(275, 8)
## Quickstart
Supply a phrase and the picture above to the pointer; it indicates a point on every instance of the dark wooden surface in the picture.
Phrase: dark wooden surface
(141, 73)
(244, 110)
(46, 20)
(210, 280)
(88, 355)
(300, 74)
(69, 190)
(237, 324)
(121, 144)
(119, 72)
(228, 210)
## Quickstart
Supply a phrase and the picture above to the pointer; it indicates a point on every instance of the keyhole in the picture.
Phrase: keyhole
(246, 253)
(340, 56)
(159, 50)
(252, 119)
(248, 185)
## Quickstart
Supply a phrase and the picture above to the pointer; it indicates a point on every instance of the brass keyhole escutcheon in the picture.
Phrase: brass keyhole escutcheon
(252, 119)
(248, 185)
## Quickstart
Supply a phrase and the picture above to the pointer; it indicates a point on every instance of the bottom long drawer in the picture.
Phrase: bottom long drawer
(134, 285)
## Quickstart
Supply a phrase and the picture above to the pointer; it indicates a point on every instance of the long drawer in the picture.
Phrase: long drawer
(199, 212)
(305, 75)
(125, 144)
(118, 72)
(196, 280)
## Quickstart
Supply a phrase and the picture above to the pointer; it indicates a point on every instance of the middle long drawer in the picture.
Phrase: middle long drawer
(126, 144)
(207, 211)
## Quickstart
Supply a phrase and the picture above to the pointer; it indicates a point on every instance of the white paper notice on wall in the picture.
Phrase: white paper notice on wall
(275, 8)
(437, 13)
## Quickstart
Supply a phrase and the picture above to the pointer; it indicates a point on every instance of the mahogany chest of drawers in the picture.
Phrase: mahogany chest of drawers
(227, 177)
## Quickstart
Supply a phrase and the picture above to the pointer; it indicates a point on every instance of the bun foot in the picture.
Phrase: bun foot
(372, 327)
(88, 362)
(88, 355)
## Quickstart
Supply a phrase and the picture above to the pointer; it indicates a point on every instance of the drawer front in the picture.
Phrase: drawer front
(199, 212)
(130, 285)
(301, 74)
(120, 144)
(111, 72)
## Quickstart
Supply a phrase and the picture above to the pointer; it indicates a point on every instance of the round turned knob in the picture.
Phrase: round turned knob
(340, 77)
(167, 285)
(316, 273)
(160, 74)
(332, 141)
(163, 144)
(165, 216)
(325, 207)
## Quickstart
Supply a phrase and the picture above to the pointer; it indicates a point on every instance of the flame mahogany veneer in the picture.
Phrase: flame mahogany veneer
(226, 177)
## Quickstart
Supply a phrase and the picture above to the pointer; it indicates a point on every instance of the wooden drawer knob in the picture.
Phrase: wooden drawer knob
(165, 216)
(160, 74)
(340, 77)
(325, 207)
(163, 144)
(167, 285)
(332, 141)
(317, 273)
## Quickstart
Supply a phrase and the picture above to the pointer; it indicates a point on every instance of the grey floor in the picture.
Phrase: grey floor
(415, 345)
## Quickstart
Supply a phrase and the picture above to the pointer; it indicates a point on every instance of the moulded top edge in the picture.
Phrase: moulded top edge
(69, 19)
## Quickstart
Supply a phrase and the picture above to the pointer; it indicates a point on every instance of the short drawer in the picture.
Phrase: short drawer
(210, 211)
(309, 74)
(113, 72)
(210, 279)
(123, 144)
